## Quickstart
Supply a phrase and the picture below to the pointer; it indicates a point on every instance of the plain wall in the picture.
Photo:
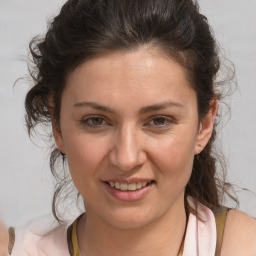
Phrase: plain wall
(26, 185)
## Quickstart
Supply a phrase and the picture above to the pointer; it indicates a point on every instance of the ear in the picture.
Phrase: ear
(206, 127)
(56, 131)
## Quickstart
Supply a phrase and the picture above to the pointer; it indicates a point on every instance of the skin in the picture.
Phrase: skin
(239, 235)
(3, 240)
(133, 145)
(128, 143)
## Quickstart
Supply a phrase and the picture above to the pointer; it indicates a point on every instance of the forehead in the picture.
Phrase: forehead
(141, 75)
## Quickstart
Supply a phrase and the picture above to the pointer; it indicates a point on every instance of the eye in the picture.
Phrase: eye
(160, 122)
(94, 121)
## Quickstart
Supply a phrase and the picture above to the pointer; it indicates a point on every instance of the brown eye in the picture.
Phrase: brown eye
(94, 122)
(160, 122)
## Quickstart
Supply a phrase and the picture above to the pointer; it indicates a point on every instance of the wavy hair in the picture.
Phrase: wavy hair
(85, 29)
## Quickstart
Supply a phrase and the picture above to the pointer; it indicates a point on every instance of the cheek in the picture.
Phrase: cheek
(84, 155)
(174, 157)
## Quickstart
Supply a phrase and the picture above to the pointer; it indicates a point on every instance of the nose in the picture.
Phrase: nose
(127, 152)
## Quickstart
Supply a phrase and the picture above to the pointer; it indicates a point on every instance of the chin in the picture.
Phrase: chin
(128, 219)
(128, 223)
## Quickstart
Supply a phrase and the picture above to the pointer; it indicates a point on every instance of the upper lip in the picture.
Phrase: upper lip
(128, 180)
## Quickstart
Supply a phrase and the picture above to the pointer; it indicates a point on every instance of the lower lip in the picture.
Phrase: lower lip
(129, 196)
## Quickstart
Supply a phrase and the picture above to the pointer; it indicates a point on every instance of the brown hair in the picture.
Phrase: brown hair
(88, 28)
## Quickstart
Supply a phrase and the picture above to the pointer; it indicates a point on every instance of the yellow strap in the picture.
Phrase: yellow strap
(74, 240)
(181, 251)
(11, 232)
(220, 217)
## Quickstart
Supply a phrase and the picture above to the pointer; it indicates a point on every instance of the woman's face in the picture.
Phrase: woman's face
(129, 129)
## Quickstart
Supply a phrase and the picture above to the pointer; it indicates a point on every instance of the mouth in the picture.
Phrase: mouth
(129, 186)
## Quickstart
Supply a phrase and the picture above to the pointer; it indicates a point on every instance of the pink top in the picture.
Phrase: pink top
(200, 238)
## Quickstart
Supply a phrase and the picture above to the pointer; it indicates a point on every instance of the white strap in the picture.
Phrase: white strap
(200, 237)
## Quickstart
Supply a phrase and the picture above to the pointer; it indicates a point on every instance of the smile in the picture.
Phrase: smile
(129, 190)
(129, 187)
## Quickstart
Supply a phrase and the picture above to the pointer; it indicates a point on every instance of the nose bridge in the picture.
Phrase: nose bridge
(127, 152)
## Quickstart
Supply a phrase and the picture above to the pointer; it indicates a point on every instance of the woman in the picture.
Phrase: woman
(130, 90)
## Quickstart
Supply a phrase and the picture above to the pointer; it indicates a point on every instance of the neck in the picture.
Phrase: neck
(161, 237)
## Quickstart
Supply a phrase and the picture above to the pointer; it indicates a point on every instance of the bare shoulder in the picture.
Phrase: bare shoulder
(239, 235)
(3, 240)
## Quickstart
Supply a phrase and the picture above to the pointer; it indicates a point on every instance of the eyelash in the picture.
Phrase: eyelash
(167, 122)
(87, 120)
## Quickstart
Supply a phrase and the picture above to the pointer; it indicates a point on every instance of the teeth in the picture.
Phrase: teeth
(138, 185)
(128, 187)
(117, 185)
(123, 186)
(131, 187)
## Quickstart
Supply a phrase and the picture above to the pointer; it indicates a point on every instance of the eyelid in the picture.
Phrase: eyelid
(169, 119)
(106, 122)
(85, 119)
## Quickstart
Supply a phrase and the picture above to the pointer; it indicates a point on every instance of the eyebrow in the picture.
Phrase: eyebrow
(160, 106)
(94, 105)
(143, 110)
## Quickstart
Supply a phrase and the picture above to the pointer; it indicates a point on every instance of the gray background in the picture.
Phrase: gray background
(26, 185)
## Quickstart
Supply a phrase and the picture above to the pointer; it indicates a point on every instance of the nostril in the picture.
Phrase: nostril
(127, 158)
